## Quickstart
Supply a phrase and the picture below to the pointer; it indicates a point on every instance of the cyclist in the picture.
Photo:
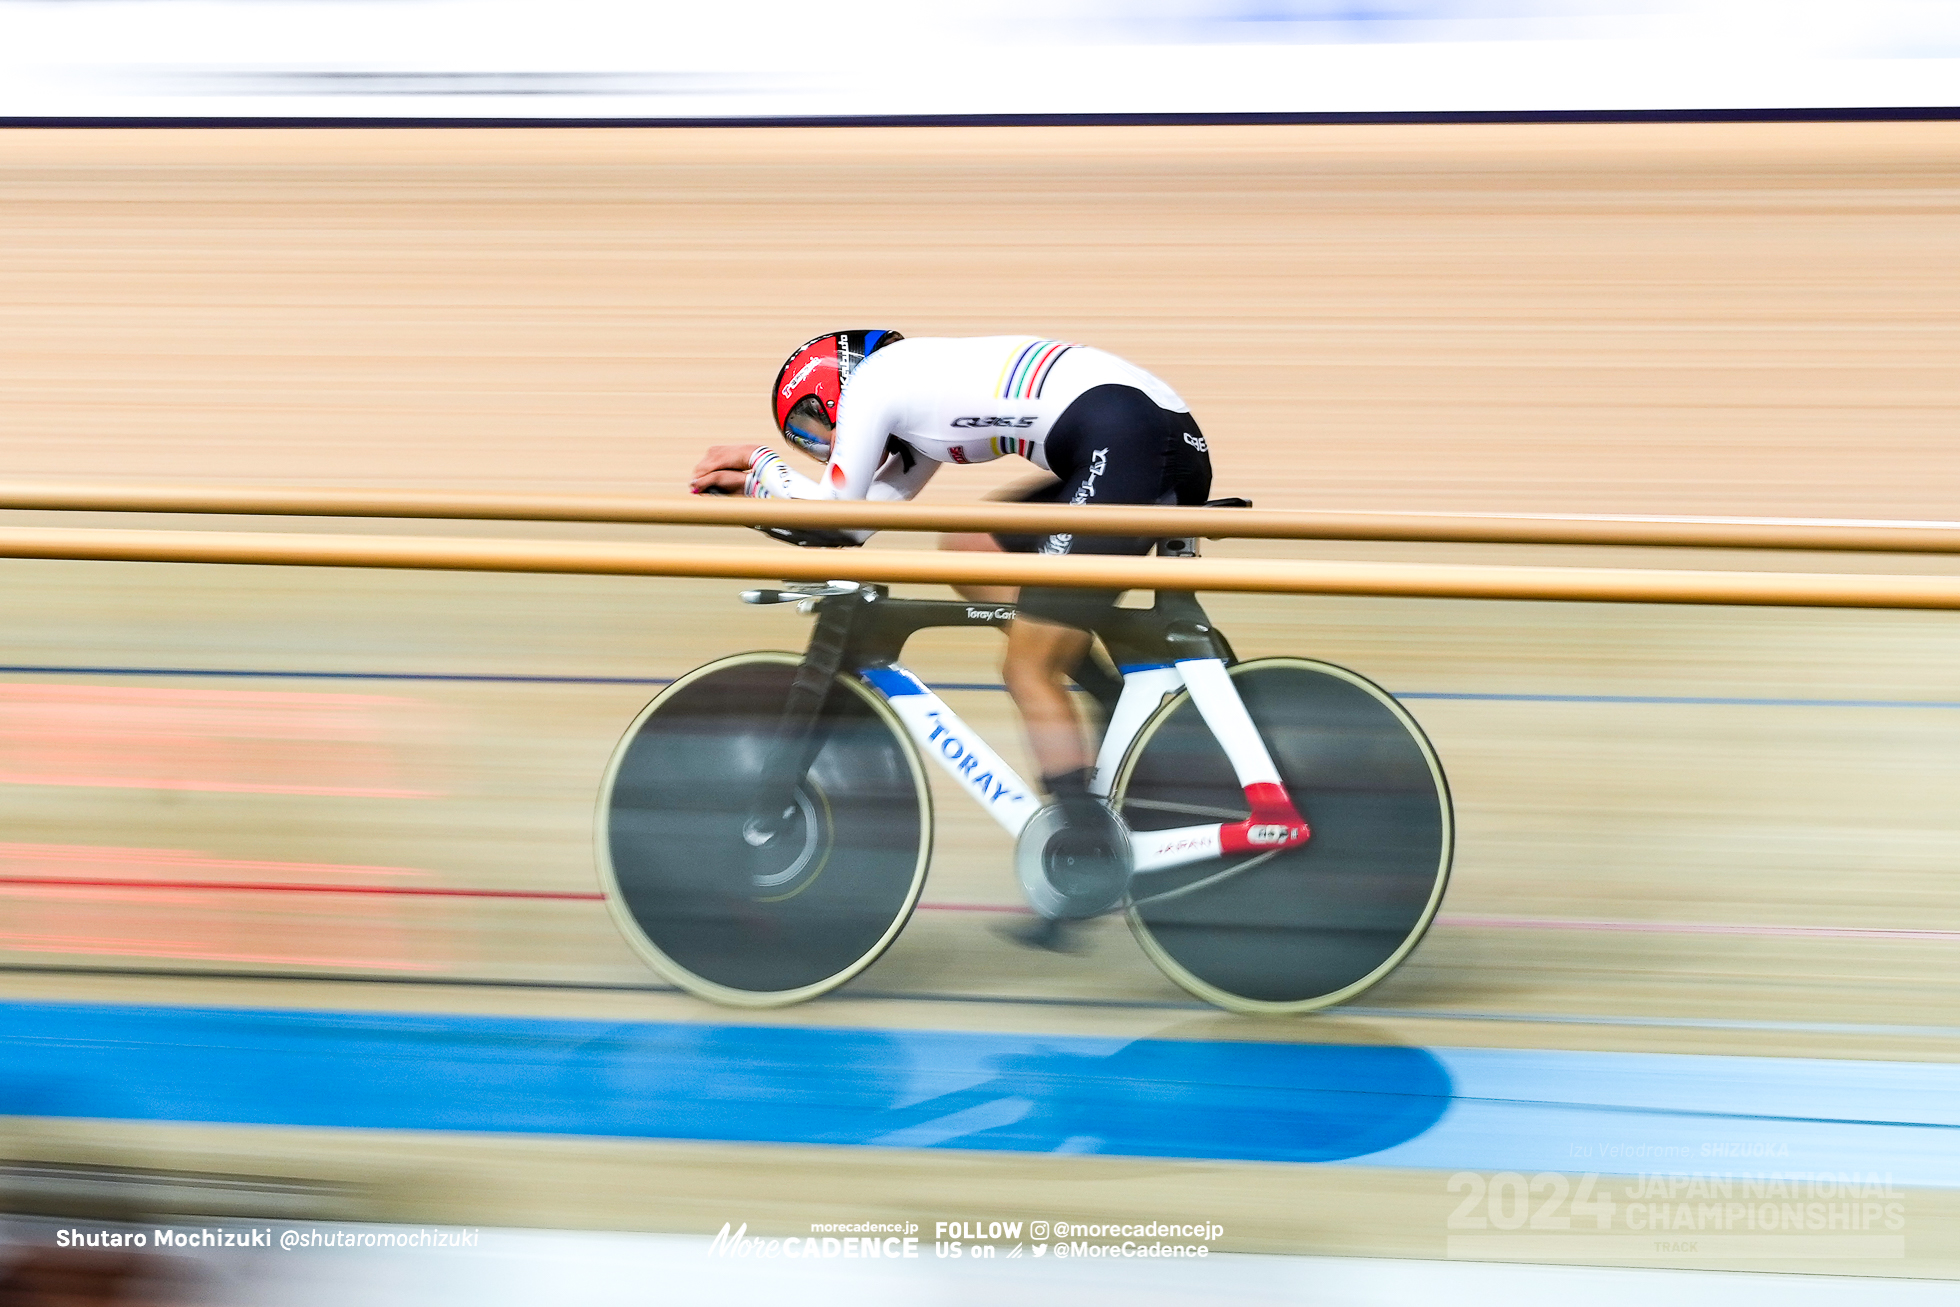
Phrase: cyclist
(884, 413)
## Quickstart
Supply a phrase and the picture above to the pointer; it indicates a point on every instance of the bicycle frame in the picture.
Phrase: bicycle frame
(1171, 646)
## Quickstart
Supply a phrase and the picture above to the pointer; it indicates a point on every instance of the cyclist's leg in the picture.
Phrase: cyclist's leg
(975, 542)
(1090, 671)
(1041, 490)
(1113, 445)
(1040, 656)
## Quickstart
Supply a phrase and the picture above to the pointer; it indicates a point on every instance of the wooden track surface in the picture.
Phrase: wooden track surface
(1708, 319)
(1692, 318)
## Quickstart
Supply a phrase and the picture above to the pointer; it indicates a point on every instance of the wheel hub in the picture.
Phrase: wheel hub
(784, 849)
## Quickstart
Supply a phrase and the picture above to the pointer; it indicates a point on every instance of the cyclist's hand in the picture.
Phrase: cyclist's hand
(722, 470)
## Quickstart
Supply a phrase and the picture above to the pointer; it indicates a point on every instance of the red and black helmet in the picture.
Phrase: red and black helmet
(812, 382)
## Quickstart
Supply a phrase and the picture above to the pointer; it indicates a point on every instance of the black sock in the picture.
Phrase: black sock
(1069, 784)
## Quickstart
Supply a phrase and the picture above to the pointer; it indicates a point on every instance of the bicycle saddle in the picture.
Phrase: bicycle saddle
(1187, 546)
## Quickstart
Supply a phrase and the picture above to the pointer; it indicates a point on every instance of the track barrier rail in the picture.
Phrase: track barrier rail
(1214, 523)
(1270, 576)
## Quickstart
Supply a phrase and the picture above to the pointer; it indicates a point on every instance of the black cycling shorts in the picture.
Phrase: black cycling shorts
(1112, 445)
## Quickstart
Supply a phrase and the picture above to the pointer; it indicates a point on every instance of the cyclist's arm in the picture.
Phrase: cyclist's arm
(859, 449)
(771, 477)
(902, 475)
(899, 477)
(865, 463)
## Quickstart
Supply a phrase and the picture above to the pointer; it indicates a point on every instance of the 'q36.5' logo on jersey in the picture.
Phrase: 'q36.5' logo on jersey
(1020, 423)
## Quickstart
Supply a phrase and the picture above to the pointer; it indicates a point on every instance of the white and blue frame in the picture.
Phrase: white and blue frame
(1001, 792)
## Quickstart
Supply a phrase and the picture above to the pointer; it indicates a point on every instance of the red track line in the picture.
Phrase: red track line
(107, 882)
(153, 949)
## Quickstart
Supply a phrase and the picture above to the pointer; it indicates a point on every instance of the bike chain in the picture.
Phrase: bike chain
(1217, 877)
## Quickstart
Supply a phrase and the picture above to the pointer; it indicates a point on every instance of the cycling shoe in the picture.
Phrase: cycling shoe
(1047, 933)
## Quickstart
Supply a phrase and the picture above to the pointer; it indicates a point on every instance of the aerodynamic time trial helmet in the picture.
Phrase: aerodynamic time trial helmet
(812, 381)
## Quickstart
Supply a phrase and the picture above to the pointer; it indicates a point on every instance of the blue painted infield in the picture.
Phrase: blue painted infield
(1446, 1109)
(791, 1085)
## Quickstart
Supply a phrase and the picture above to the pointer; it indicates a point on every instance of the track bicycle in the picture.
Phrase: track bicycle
(765, 824)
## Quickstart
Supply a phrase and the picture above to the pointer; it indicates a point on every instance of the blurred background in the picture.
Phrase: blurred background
(353, 811)
(599, 59)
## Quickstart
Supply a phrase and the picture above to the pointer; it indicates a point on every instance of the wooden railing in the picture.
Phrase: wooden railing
(1277, 576)
(1216, 523)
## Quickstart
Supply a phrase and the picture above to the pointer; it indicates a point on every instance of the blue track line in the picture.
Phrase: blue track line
(1718, 701)
(852, 993)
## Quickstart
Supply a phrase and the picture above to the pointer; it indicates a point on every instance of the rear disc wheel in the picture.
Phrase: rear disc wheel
(1311, 926)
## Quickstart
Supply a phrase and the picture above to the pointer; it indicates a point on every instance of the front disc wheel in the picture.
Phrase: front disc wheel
(761, 909)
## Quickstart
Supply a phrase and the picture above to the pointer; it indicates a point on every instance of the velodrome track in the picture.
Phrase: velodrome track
(1683, 831)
